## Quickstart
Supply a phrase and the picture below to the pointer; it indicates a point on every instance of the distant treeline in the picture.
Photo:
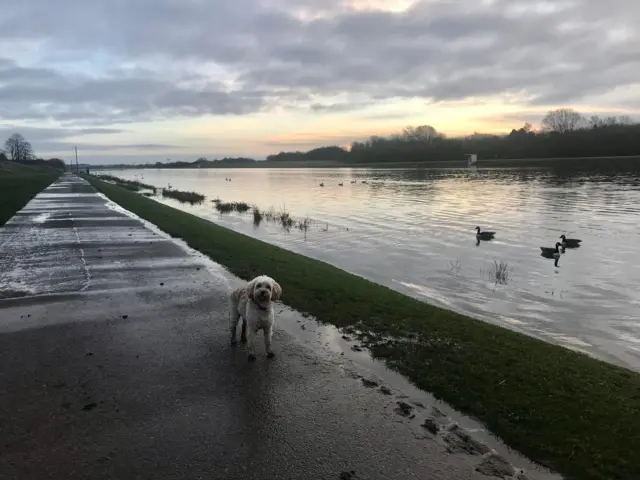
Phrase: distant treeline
(199, 163)
(565, 133)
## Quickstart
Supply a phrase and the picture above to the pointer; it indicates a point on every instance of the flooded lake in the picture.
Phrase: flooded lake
(412, 230)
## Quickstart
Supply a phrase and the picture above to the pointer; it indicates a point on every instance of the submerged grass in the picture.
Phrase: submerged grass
(500, 272)
(258, 216)
(228, 207)
(282, 218)
(19, 184)
(132, 185)
(184, 197)
(565, 410)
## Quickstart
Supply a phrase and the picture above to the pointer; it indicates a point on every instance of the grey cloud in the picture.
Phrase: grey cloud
(94, 147)
(52, 133)
(437, 51)
(99, 131)
(116, 98)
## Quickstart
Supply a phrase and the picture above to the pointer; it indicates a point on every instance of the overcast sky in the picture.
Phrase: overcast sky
(146, 80)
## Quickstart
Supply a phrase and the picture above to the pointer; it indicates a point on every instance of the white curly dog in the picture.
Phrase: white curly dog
(254, 303)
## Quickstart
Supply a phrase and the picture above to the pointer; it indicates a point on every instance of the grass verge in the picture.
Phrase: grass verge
(577, 415)
(19, 184)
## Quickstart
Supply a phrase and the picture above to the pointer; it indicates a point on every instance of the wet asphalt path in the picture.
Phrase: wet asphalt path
(115, 363)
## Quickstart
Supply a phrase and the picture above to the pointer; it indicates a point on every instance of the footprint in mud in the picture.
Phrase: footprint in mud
(430, 425)
(494, 465)
(348, 475)
(89, 406)
(369, 383)
(459, 441)
(403, 409)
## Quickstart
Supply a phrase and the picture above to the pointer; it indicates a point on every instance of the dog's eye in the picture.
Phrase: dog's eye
(259, 285)
(268, 287)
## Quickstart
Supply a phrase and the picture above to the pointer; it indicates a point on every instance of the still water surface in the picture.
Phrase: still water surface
(412, 230)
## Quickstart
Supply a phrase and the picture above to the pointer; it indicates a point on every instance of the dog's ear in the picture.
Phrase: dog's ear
(250, 288)
(276, 292)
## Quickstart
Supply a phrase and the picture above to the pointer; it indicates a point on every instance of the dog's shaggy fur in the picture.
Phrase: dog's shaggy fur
(254, 303)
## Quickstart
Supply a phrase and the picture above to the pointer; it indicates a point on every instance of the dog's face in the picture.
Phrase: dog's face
(264, 289)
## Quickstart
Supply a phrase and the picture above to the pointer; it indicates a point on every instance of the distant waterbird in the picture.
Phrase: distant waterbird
(484, 235)
(570, 242)
(341, 184)
(322, 184)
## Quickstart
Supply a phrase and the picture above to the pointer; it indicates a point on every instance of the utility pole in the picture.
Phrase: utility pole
(77, 166)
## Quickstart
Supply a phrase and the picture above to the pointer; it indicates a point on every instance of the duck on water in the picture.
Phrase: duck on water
(484, 235)
(570, 242)
(552, 252)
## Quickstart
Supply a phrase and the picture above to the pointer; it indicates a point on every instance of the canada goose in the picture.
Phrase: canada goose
(552, 252)
(570, 242)
(353, 181)
(341, 184)
(484, 235)
(322, 184)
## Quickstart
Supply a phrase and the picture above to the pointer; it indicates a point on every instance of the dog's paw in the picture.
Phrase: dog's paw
(271, 355)
(252, 357)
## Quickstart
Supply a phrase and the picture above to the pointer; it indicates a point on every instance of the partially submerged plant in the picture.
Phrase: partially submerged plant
(500, 272)
(184, 197)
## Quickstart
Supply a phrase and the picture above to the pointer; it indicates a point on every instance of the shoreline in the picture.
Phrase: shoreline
(436, 164)
(517, 385)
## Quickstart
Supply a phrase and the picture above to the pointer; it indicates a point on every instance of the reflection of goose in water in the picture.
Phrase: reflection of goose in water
(570, 242)
(484, 235)
(552, 252)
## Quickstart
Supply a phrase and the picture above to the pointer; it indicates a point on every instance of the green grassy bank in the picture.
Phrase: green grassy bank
(19, 184)
(574, 414)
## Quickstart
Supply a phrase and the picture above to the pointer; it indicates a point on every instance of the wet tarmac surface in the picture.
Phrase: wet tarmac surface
(115, 363)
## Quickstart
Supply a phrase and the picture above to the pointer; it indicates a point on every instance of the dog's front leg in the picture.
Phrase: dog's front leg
(268, 331)
(251, 338)
(233, 324)
(243, 332)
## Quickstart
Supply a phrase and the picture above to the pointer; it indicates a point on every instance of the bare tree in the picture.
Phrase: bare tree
(423, 133)
(595, 122)
(562, 120)
(18, 148)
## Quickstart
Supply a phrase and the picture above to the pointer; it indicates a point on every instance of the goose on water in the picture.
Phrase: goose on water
(322, 184)
(341, 184)
(484, 235)
(570, 242)
(552, 252)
